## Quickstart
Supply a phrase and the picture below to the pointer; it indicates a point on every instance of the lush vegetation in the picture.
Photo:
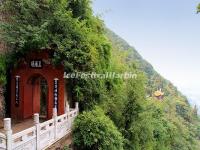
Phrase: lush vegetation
(94, 130)
(128, 116)
(66, 27)
(167, 124)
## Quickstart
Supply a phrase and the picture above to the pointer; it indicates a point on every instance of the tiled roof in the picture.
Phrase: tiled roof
(158, 93)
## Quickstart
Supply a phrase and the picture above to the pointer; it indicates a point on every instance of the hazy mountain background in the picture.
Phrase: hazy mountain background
(169, 40)
(154, 78)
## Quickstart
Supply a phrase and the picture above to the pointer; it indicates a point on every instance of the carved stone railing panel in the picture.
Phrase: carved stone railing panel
(24, 138)
(40, 136)
(2, 141)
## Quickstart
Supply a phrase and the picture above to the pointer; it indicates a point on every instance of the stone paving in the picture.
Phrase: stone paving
(18, 126)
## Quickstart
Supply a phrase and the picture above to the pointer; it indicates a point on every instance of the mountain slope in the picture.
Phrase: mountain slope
(113, 111)
(155, 80)
(175, 105)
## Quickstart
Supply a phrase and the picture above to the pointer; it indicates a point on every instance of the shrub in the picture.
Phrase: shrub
(95, 131)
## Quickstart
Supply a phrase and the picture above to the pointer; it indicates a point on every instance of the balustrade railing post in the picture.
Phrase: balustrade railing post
(37, 125)
(55, 122)
(77, 107)
(8, 132)
(67, 109)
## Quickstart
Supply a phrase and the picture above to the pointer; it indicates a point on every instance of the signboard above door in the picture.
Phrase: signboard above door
(36, 63)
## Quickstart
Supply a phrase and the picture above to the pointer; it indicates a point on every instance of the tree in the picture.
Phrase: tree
(93, 130)
(198, 8)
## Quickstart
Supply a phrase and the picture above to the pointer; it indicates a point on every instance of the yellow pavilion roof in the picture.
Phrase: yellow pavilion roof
(158, 93)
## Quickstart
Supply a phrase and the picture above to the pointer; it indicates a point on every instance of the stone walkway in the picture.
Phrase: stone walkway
(19, 126)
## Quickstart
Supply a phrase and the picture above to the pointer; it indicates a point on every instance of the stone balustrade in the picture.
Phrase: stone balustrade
(41, 135)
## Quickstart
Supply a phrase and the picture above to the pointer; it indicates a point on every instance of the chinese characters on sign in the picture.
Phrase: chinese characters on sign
(36, 64)
(17, 91)
(56, 93)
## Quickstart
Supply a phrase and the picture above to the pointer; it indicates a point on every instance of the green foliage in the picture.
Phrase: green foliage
(80, 8)
(151, 124)
(129, 118)
(2, 70)
(158, 129)
(94, 131)
(70, 30)
(198, 8)
(135, 98)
